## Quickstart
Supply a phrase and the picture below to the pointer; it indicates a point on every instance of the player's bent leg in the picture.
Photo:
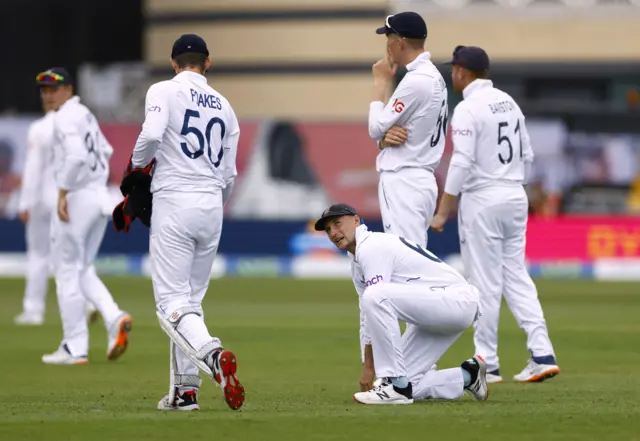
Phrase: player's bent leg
(423, 348)
(386, 341)
(186, 328)
(118, 323)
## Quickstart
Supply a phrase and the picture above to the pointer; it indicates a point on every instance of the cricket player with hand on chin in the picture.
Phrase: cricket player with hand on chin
(192, 133)
(410, 129)
(491, 161)
(81, 156)
(397, 279)
(38, 200)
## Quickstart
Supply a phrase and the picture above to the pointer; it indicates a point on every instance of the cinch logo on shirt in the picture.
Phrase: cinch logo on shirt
(373, 280)
(462, 132)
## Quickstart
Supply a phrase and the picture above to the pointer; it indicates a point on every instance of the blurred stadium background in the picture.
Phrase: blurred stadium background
(298, 75)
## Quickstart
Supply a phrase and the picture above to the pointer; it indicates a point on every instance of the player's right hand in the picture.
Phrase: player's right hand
(368, 375)
(437, 224)
(395, 136)
(24, 216)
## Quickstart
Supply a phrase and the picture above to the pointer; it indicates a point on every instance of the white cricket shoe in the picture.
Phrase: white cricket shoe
(119, 336)
(63, 356)
(494, 376)
(535, 372)
(478, 370)
(184, 401)
(28, 319)
(385, 393)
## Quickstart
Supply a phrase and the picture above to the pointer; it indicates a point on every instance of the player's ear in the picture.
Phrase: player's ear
(207, 64)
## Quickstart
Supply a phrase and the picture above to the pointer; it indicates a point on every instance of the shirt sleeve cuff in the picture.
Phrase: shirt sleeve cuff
(455, 180)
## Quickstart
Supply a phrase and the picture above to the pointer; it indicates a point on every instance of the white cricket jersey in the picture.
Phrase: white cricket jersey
(419, 104)
(39, 189)
(192, 132)
(490, 138)
(81, 152)
(387, 258)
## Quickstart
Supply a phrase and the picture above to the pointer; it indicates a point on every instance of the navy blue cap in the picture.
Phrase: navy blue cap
(405, 24)
(189, 43)
(470, 57)
(56, 76)
(334, 211)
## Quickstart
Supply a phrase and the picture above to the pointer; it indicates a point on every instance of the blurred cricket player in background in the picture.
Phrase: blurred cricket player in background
(410, 128)
(81, 156)
(38, 199)
(192, 133)
(491, 161)
(397, 279)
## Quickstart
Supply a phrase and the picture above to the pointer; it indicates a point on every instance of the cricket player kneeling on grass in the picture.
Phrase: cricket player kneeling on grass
(397, 279)
(192, 132)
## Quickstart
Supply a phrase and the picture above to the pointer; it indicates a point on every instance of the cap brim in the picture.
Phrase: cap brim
(320, 223)
(383, 30)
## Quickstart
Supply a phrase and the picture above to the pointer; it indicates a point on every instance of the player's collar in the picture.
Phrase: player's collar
(186, 74)
(73, 100)
(362, 232)
(425, 56)
(476, 85)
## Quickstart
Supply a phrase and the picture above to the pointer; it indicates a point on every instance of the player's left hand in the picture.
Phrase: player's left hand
(395, 136)
(437, 224)
(63, 212)
(384, 69)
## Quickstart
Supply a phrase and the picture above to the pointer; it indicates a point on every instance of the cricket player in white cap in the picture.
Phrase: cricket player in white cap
(81, 168)
(410, 128)
(397, 279)
(491, 161)
(192, 132)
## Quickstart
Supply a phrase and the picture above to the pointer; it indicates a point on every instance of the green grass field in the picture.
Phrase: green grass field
(298, 352)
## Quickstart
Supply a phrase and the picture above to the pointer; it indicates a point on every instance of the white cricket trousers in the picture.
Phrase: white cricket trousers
(185, 232)
(407, 200)
(74, 246)
(492, 224)
(38, 269)
(436, 316)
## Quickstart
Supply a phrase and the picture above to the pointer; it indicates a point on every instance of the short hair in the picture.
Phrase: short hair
(416, 43)
(480, 74)
(191, 59)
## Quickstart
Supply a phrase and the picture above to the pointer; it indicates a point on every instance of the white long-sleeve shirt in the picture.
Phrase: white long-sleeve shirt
(81, 151)
(491, 145)
(39, 190)
(419, 104)
(192, 132)
(387, 258)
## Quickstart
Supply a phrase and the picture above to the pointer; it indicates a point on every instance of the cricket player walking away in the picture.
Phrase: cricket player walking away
(38, 199)
(410, 128)
(491, 161)
(81, 168)
(192, 132)
(397, 279)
